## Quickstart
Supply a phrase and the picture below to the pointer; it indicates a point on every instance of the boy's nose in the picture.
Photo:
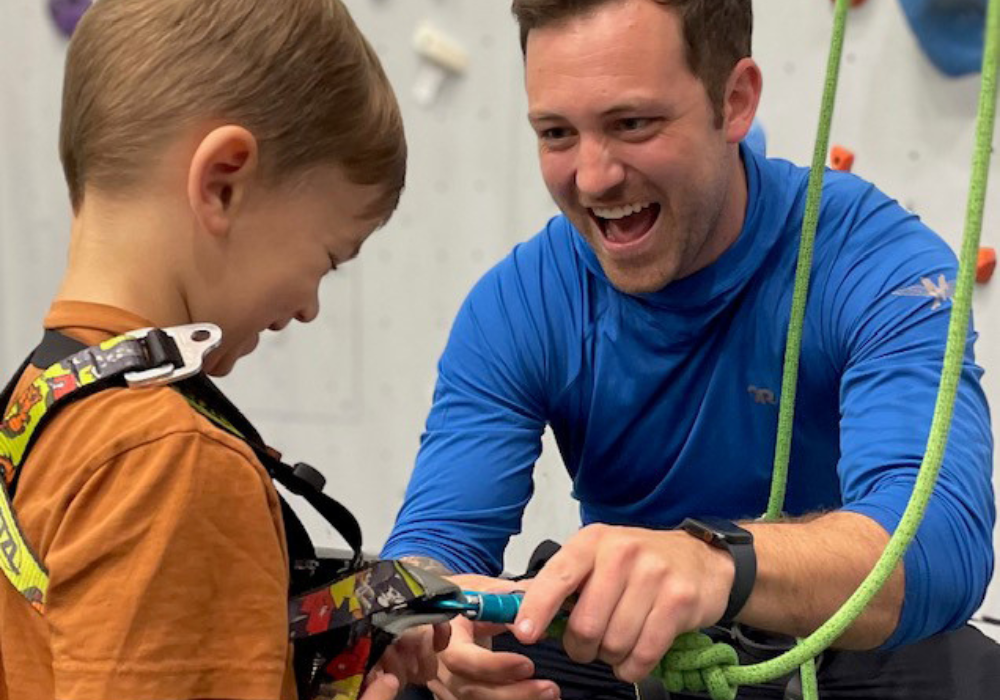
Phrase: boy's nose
(308, 313)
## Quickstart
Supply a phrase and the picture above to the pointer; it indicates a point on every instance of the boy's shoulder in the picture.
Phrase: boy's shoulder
(145, 447)
(117, 420)
(114, 422)
(119, 425)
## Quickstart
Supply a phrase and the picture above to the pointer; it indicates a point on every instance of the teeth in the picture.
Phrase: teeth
(621, 212)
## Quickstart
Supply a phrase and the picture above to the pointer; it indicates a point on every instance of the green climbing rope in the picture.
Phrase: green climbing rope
(814, 194)
(694, 663)
(800, 295)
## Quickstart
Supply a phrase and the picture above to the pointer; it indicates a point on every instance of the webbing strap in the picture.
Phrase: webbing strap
(207, 399)
(86, 371)
(351, 606)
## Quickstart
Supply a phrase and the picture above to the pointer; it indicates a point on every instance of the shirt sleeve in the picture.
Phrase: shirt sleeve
(169, 579)
(473, 473)
(894, 280)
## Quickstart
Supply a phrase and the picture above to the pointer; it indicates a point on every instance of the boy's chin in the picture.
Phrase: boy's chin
(219, 364)
(221, 371)
(221, 361)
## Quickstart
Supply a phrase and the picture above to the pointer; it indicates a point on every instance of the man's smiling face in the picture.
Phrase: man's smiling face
(628, 142)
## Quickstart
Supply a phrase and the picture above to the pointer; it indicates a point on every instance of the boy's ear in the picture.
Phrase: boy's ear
(743, 91)
(221, 169)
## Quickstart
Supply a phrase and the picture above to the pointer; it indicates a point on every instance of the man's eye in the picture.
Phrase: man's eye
(554, 134)
(634, 123)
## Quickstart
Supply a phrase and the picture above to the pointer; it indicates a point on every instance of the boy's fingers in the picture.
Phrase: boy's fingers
(385, 687)
(442, 635)
(474, 663)
(523, 690)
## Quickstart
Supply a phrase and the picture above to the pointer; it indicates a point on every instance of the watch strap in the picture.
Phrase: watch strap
(744, 576)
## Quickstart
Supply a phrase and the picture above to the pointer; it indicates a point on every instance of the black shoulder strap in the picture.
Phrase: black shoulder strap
(67, 346)
(301, 479)
(54, 348)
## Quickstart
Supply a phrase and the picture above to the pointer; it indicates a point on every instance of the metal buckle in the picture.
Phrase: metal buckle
(194, 341)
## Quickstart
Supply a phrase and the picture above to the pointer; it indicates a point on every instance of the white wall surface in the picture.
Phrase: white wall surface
(350, 392)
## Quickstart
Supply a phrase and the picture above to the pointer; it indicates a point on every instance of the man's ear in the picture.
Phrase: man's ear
(742, 97)
(221, 169)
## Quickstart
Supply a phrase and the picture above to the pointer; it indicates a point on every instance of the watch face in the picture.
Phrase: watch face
(717, 530)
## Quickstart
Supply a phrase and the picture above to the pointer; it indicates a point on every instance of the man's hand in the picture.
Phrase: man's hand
(638, 589)
(469, 670)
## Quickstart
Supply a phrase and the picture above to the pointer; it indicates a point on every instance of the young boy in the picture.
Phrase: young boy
(222, 157)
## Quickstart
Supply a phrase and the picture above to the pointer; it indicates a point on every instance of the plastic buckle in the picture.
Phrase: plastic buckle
(310, 475)
(193, 341)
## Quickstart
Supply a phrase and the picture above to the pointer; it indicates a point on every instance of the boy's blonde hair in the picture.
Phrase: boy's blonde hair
(297, 74)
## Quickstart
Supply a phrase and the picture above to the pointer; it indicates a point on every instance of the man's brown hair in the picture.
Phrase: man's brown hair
(297, 74)
(717, 33)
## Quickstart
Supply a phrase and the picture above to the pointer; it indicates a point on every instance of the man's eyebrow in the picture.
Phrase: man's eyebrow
(543, 117)
(628, 108)
(613, 111)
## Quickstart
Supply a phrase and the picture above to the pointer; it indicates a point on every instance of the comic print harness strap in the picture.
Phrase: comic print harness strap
(139, 358)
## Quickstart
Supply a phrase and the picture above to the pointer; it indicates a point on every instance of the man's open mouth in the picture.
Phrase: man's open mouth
(625, 225)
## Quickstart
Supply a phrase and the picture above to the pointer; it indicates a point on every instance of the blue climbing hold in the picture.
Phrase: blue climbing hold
(951, 32)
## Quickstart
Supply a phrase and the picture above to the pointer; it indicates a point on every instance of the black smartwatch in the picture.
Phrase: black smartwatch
(724, 534)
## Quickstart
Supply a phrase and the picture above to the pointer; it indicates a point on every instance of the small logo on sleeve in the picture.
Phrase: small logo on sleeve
(941, 291)
(762, 396)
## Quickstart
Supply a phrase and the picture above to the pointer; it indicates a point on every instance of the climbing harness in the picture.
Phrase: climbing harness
(340, 627)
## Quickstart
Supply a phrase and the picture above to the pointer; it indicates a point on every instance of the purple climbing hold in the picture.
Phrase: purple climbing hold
(67, 13)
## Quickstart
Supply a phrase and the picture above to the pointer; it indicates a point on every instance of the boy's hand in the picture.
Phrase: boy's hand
(470, 669)
(413, 657)
(384, 687)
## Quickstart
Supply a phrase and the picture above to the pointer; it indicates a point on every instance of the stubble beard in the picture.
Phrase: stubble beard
(649, 274)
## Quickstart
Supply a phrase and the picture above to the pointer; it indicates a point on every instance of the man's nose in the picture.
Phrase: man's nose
(597, 169)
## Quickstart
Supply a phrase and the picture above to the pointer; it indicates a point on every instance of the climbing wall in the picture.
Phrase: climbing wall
(349, 393)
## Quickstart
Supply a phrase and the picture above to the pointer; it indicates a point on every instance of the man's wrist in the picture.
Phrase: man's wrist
(729, 538)
(427, 564)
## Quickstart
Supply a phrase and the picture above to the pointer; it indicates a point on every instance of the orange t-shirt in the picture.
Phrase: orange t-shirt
(165, 548)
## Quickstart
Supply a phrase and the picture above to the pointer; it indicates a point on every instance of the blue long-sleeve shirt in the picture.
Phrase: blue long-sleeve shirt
(664, 405)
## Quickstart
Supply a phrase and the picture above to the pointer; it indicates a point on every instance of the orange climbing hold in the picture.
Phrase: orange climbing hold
(841, 158)
(986, 265)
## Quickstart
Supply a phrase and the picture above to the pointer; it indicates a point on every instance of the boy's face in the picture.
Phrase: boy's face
(268, 269)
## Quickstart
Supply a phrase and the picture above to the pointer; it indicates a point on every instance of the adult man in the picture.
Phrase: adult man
(646, 326)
